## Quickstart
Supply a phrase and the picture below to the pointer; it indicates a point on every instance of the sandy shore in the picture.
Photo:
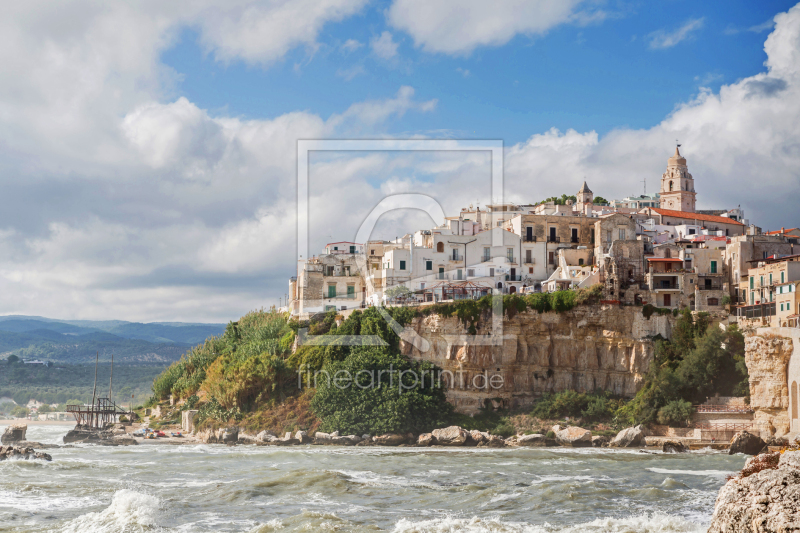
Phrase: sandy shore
(38, 422)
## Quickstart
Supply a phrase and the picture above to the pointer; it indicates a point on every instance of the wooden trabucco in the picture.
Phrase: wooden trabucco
(104, 411)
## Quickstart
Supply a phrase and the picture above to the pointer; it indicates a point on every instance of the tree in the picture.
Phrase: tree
(11, 359)
(45, 409)
(20, 411)
(376, 391)
(398, 292)
(599, 200)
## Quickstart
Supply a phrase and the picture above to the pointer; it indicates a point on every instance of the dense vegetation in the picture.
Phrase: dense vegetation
(562, 200)
(60, 383)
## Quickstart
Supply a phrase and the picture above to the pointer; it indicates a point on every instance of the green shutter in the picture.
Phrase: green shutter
(402, 265)
(331, 291)
(713, 267)
(351, 291)
(751, 281)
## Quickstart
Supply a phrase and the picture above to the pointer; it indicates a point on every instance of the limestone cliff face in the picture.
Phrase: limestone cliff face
(590, 347)
(767, 358)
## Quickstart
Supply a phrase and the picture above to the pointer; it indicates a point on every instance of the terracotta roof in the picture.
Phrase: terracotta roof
(778, 232)
(694, 216)
(665, 259)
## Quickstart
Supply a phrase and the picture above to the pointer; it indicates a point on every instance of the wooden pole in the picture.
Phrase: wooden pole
(111, 379)
(94, 392)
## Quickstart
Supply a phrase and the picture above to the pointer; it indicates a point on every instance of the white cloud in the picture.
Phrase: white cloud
(350, 72)
(384, 47)
(668, 39)
(351, 45)
(463, 71)
(460, 26)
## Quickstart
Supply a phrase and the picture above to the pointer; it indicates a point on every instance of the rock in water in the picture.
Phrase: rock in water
(302, 437)
(477, 437)
(14, 452)
(747, 443)
(599, 441)
(230, 435)
(14, 433)
(537, 439)
(451, 436)
(764, 501)
(574, 436)
(629, 438)
(674, 446)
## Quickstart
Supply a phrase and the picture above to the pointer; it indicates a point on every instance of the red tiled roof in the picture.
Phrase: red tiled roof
(694, 216)
(778, 232)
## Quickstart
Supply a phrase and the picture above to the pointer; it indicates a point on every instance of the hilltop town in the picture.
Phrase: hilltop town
(652, 249)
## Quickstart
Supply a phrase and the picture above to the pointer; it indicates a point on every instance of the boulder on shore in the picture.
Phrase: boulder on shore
(14, 452)
(674, 446)
(747, 443)
(493, 441)
(763, 498)
(599, 441)
(476, 438)
(426, 439)
(537, 439)
(389, 439)
(302, 437)
(229, 435)
(14, 433)
(633, 437)
(322, 438)
(575, 437)
(451, 436)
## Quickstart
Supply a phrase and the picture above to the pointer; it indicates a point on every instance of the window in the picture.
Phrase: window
(692, 231)
(402, 265)
(608, 235)
(713, 301)
(352, 249)
(441, 272)
(528, 256)
(580, 261)
(770, 278)
(458, 274)
(670, 185)
(487, 253)
(622, 234)
(761, 280)
(470, 272)
(440, 247)
(574, 234)
(763, 255)
(591, 236)
(331, 291)
(783, 275)
(714, 268)
(752, 297)
(335, 247)
(530, 270)
(510, 255)
(372, 252)
(551, 258)
(491, 272)
(428, 265)
(751, 281)
(422, 285)
(667, 253)
(351, 291)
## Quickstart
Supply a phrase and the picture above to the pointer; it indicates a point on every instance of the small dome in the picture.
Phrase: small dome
(677, 159)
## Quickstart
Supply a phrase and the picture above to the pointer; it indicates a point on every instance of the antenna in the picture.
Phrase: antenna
(677, 144)
(644, 184)
(94, 392)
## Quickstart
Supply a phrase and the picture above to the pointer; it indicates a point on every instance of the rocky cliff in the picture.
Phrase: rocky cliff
(587, 348)
(767, 358)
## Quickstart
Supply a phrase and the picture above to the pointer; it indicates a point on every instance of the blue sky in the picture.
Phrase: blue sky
(597, 76)
(148, 149)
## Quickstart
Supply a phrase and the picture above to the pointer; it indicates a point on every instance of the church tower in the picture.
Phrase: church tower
(677, 185)
(584, 197)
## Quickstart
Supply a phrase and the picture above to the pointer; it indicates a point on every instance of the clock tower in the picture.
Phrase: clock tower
(677, 185)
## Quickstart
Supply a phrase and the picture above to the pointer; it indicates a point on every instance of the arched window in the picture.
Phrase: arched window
(670, 185)
(512, 290)
(499, 285)
(440, 247)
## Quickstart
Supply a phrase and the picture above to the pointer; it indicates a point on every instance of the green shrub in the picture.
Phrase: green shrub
(504, 430)
(550, 434)
(591, 406)
(676, 413)
(373, 402)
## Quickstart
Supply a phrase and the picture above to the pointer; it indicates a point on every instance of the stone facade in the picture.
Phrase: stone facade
(677, 185)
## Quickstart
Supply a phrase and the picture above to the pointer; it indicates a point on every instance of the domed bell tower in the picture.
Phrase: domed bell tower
(677, 185)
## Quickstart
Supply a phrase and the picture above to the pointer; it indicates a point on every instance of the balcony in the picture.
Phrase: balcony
(553, 238)
(516, 277)
(486, 258)
(340, 297)
(457, 258)
(574, 240)
(529, 238)
(529, 261)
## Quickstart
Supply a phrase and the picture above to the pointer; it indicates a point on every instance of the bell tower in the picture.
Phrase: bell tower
(677, 185)
(584, 197)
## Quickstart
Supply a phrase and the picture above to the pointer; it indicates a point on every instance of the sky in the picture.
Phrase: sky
(148, 151)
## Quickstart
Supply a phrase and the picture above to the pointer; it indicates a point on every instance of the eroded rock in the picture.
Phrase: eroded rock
(14, 433)
(537, 439)
(451, 436)
(747, 443)
(19, 452)
(633, 437)
(674, 446)
(575, 437)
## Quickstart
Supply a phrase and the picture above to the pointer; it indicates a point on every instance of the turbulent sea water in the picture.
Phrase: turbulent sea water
(267, 489)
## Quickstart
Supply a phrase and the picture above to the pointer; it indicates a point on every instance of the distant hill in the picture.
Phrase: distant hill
(78, 341)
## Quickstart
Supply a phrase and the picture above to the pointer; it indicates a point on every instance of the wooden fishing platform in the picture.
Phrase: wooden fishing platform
(96, 416)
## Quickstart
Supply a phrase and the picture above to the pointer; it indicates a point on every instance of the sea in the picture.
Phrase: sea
(154, 487)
